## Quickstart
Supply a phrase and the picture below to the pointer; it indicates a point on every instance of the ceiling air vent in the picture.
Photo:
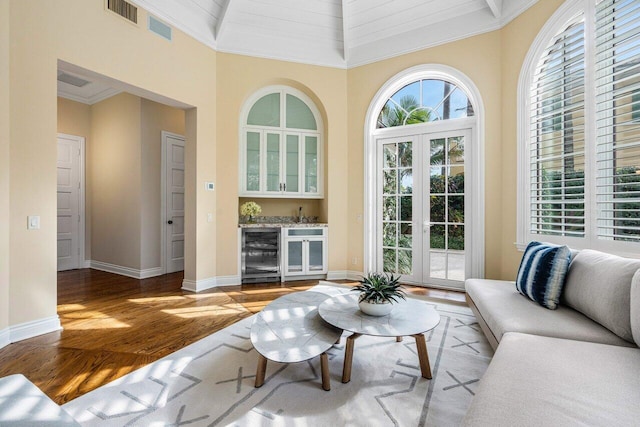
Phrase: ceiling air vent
(124, 9)
(159, 27)
(72, 80)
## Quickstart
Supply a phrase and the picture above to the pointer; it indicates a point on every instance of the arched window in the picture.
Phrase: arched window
(423, 101)
(579, 143)
(423, 176)
(281, 145)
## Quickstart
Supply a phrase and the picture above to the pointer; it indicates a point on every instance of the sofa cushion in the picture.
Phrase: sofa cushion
(542, 381)
(599, 286)
(542, 272)
(505, 310)
(635, 307)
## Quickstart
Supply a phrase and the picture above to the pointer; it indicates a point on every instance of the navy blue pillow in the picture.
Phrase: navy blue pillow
(542, 273)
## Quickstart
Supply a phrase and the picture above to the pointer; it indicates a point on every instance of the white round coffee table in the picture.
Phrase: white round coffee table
(289, 330)
(408, 318)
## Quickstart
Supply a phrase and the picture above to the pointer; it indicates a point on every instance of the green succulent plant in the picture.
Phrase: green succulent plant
(378, 288)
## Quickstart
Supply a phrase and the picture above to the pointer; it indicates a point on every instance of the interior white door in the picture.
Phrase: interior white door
(422, 208)
(68, 228)
(174, 202)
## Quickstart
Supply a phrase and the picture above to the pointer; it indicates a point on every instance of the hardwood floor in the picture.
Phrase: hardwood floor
(114, 325)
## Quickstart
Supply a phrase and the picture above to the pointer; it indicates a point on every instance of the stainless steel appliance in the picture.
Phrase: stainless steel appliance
(260, 255)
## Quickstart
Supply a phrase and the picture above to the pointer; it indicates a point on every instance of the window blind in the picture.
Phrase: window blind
(557, 136)
(617, 76)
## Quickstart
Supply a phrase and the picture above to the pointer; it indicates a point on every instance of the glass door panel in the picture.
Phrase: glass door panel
(316, 255)
(446, 216)
(292, 164)
(397, 207)
(310, 164)
(294, 256)
(273, 162)
(253, 161)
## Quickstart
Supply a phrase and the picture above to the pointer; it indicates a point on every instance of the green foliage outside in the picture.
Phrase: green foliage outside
(554, 211)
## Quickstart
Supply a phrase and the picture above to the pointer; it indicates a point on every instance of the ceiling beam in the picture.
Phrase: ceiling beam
(496, 7)
(345, 31)
(222, 21)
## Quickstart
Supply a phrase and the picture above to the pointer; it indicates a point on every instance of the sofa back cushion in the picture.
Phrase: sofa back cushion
(599, 286)
(635, 307)
(542, 273)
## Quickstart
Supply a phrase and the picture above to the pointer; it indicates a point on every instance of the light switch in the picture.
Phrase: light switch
(33, 222)
(209, 217)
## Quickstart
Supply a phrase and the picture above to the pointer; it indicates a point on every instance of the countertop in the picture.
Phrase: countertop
(282, 225)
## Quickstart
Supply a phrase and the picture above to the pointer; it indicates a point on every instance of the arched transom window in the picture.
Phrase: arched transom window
(424, 101)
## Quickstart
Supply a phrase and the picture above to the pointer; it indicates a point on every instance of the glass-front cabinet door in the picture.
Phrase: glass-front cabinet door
(292, 164)
(294, 259)
(273, 162)
(311, 160)
(315, 256)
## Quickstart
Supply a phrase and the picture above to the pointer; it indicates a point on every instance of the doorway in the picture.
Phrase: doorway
(422, 207)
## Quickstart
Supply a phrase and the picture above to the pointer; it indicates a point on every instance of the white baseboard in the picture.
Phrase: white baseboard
(5, 337)
(354, 275)
(211, 282)
(198, 285)
(34, 328)
(228, 280)
(337, 275)
(126, 271)
(87, 263)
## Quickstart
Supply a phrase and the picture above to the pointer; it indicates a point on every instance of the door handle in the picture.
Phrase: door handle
(426, 226)
(170, 222)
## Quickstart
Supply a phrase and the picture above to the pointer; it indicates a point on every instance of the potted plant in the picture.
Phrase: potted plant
(249, 210)
(378, 292)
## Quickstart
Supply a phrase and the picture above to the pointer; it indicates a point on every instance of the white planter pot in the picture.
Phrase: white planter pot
(381, 309)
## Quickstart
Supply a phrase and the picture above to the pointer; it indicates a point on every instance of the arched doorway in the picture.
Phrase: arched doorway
(424, 179)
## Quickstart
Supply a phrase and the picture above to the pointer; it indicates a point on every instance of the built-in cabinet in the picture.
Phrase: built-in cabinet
(305, 252)
(281, 164)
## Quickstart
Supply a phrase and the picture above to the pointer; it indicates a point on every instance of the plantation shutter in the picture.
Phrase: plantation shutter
(557, 138)
(617, 120)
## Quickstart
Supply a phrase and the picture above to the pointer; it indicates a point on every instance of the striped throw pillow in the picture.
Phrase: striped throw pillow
(542, 273)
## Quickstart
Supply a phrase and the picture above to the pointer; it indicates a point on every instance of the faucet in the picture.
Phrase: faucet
(300, 214)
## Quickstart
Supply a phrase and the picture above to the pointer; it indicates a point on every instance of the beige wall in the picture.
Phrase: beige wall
(155, 118)
(4, 165)
(240, 76)
(478, 58)
(40, 34)
(287, 207)
(116, 181)
(74, 118)
(516, 41)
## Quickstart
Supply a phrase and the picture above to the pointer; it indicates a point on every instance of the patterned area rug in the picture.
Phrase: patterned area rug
(210, 383)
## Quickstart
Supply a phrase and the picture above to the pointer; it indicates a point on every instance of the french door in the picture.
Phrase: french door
(422, 208)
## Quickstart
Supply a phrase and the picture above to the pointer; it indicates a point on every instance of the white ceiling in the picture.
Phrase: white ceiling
(334, 33)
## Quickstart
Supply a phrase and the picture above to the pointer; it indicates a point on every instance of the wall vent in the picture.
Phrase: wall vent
(160, 28)
(124, 9)
(72, 80)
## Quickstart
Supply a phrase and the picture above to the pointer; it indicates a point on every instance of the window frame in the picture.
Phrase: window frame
(558, 22)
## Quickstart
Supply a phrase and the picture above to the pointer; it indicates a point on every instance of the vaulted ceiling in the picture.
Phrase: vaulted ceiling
(335, 33)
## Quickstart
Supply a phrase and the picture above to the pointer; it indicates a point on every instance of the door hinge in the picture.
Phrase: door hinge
(78, 218)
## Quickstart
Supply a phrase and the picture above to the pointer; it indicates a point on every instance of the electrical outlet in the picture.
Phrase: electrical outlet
(354, 260)
(359, 217)
(209, 217)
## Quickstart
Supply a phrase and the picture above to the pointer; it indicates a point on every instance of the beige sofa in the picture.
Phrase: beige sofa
(577, 365)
